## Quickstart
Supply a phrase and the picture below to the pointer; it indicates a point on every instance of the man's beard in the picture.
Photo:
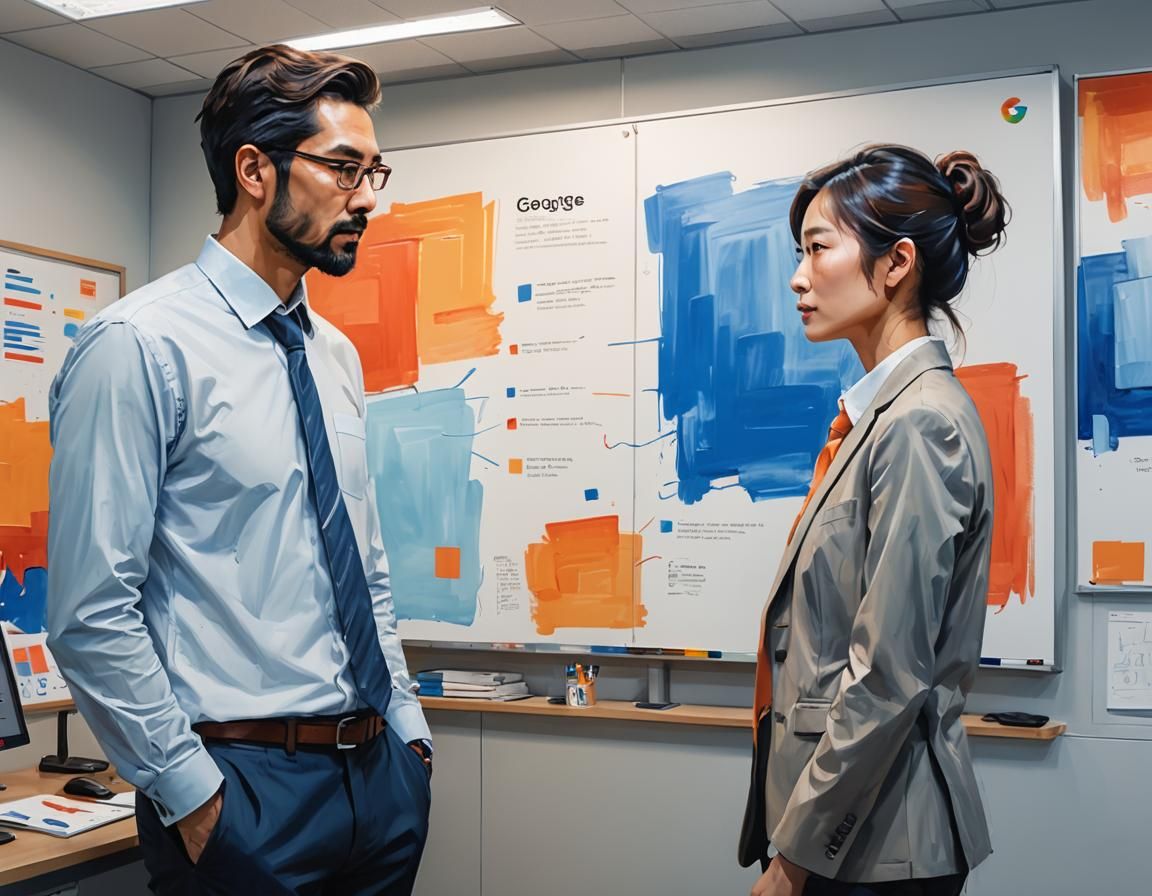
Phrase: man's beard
(289, 228)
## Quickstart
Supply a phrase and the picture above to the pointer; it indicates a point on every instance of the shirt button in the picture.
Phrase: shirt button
(313, 539)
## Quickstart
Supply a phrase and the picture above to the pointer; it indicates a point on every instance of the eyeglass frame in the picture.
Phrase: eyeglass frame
(340, 166)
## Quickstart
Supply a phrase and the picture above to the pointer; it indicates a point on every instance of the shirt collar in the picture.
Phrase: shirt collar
(249, 297)
(857, 398)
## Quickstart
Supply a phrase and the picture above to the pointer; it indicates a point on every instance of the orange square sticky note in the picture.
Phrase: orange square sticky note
(447, 563)
(515, 465)
(511, 422)
(513, 349)
(1116, 562)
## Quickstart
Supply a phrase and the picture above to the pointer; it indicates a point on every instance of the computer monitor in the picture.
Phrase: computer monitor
(13, 728)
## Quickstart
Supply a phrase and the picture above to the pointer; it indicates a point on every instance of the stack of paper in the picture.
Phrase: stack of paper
(60, 816)
(472, 685)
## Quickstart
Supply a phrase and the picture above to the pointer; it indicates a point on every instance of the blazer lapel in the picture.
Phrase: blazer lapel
(930, 356)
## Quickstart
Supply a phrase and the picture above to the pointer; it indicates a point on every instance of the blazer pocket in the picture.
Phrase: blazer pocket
(809, 717)
(845, 510)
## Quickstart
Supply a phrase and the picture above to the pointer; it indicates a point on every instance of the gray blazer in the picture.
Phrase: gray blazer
(874, 627)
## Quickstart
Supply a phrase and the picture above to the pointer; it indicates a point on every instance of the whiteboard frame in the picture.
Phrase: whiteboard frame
(1086, 589)
(1062, 494)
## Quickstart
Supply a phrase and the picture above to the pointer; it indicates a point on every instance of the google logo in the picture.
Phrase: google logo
(1012, 112)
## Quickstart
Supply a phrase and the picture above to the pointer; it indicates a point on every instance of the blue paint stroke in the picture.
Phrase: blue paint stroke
(23, 604)
(426, 500)
(1114, 345)
(751, 397)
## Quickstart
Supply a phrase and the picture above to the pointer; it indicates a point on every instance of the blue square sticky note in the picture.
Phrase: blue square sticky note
(511, 391)
(524, 292)
(665, 525)
(591, 494)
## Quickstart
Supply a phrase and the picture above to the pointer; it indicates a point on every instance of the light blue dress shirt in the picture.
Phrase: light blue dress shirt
(187, 579)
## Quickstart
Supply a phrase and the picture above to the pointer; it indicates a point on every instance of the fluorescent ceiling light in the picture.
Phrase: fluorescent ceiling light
(91, 9)
(467, 20)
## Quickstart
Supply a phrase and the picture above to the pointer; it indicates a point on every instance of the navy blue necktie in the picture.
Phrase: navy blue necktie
(353, 600)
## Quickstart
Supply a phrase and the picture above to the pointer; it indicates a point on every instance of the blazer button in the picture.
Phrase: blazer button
(850, 819)
(843, 829)
(830, 852)
(781, 655)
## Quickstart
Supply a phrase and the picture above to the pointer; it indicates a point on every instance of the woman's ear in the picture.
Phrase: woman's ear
(900, 262)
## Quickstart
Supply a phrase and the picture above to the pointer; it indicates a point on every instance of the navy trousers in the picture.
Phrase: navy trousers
(319, 822)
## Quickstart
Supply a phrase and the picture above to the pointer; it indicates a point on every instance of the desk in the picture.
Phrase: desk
(36, 862)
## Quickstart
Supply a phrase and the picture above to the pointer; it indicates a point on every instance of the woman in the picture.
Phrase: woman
(862, 777)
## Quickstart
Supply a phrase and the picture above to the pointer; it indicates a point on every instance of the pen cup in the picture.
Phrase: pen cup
(580, 691)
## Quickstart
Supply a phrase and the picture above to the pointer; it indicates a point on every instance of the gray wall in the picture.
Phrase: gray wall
(523, 805)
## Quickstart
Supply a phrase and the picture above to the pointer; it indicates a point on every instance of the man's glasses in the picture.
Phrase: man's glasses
(348, 174)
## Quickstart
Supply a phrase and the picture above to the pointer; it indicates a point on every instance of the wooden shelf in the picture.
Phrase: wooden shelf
(35, 854)
(710, 716)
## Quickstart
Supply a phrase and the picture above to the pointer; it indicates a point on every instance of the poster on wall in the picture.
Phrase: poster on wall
(46, 297)
(592, 413)
(733, 402)
(1114, 331)
(492, 307)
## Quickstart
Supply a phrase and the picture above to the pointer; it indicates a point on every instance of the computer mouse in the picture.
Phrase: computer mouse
(88, 787)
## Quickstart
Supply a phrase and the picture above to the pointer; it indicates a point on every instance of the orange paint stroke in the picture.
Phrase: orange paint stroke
(447, 563)
(1117, 562)
(421, 291)
(1007, 419)
(614, 394)
(1116, 139)
(583, 575)
(25, 454)
(74, 313)
(375, 307)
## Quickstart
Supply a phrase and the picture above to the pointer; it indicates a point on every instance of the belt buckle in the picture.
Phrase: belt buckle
(347, 720)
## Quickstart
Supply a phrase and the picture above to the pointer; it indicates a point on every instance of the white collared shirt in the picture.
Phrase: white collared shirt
(860, 395)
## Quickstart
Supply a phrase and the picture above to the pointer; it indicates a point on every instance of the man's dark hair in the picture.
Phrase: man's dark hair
(268, 98)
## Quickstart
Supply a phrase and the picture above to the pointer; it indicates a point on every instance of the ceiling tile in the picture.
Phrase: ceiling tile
(345, 13)
(165, 32)
(528, 60)
(18, 15)
(908, 10)
(594, 33)
(643, 6)
(400, 55)
(260, 21)
(208, 65)
(142, 74)
(417, 9)
(402, 76)
(678, 23)
(740, 35)
(198, 85)
(547, 12)
(77, 45)
(501, 43)
(808, 10)
(636, 48)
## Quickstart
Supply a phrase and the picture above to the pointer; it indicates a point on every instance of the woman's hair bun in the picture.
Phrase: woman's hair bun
(981, 207)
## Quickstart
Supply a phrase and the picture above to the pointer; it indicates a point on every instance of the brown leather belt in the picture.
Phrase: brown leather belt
(290, 732)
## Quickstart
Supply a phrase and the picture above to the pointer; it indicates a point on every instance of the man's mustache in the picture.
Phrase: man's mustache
(357, 225)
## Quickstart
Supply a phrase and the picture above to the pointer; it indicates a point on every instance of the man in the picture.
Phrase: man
(218, 592)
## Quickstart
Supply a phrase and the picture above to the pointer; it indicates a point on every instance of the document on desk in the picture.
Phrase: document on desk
(60, 816)
(1129, 660)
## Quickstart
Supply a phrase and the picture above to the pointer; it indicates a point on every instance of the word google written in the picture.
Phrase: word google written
(560, 203)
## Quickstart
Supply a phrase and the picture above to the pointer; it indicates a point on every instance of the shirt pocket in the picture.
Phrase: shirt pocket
(352, 455)
(845, 510)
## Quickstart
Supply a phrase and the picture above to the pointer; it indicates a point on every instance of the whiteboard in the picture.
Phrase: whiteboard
(617, 384)
(44, 298)
(1114, 389)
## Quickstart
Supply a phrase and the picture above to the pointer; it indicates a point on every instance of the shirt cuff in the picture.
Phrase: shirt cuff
(408, 721)
(185, 787)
